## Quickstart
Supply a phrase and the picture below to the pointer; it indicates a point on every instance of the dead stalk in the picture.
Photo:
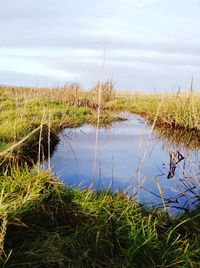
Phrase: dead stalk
(161, 194)
(3, 229)
(49, 143)
(97, 131)
(14, 146)
(40, 140)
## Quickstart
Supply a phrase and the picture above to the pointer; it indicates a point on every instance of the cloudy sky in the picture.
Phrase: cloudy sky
(139, 44)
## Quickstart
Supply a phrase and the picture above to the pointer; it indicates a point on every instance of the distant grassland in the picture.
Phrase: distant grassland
(45, 112)
(174, 110)
(32, 118)
(23, 109)
(45, 224)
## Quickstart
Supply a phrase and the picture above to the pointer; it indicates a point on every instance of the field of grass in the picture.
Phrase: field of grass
(167, 110)
(43, 112)
(46, 224)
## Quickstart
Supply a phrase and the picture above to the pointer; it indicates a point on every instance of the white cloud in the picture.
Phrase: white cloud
(146, 41)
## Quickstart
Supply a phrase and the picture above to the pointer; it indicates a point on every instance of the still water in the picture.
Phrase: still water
(129, 156)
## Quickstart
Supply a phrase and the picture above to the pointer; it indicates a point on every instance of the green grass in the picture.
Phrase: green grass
(24, 109)
(177, 110)
(45, 224)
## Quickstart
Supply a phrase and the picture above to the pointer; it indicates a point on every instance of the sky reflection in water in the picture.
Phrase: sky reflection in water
(129, 155)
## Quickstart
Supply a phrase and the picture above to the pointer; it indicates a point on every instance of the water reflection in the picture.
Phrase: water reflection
(129, 156)
(175, 158)
(189, 139)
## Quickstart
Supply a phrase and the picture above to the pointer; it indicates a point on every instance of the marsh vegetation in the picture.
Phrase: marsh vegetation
(44, 223)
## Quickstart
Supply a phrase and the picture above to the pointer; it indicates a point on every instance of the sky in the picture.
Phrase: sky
(143, 45)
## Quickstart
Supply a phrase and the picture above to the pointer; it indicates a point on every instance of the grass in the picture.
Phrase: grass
(46, 224)
(175, 116)
(177, 110)
(24, 110)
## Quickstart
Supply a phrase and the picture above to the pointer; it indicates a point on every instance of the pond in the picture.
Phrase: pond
(129, 156)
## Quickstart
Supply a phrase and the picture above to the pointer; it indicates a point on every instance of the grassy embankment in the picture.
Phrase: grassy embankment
(35, 116)
(174, 115)
(45, 224)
